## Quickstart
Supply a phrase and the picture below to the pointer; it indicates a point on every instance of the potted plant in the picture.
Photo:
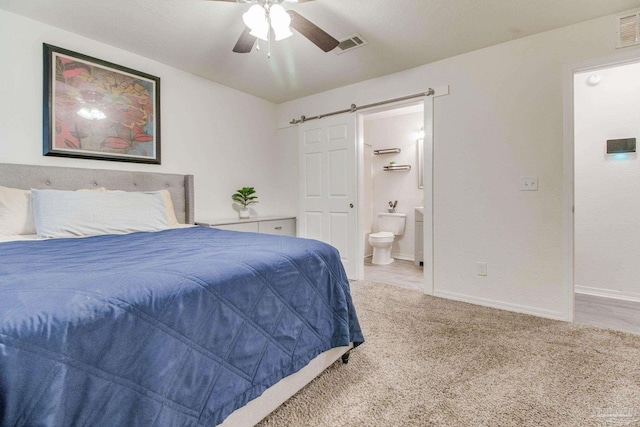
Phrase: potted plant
(245, 197)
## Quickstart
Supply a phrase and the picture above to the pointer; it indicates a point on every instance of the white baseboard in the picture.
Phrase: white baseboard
(395, 256)
(501, 305)
(607, 293)
(403, 257)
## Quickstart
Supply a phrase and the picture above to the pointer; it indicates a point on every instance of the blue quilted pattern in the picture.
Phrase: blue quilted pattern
(178, 327)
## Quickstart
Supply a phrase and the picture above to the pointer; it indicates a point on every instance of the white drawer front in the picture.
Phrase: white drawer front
(283, 227)
(245, 226)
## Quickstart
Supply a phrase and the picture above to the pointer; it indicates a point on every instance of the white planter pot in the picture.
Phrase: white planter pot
(244, 213)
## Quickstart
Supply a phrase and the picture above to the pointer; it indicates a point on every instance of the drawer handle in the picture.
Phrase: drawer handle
(278, 228)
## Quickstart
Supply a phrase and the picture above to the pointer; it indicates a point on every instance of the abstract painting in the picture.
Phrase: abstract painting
(95, 109)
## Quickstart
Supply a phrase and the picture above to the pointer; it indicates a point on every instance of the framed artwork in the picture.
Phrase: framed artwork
(94, 109)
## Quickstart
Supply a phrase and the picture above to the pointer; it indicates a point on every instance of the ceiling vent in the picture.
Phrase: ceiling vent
(628, 31)
(350, 43)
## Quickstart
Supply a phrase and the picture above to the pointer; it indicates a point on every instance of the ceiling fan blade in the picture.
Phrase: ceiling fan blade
(245, 42)
(311, 31)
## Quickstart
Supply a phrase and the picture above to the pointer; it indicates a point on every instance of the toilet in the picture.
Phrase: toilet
(390, 225)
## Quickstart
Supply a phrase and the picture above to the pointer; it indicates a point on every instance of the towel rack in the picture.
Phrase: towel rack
(393, 168)
(386, 151)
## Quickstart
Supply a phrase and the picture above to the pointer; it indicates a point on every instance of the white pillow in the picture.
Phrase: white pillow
(168, 204)
(72, 213)
(171, 213)
(16, 217)
(15, 212)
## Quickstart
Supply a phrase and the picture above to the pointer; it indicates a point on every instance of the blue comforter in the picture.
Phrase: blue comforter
(172, 328)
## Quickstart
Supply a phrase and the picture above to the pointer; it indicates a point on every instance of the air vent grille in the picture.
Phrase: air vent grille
(628, 33)
(352, 42)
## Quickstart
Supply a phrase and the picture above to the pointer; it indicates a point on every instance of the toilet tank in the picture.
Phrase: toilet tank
(393, 222)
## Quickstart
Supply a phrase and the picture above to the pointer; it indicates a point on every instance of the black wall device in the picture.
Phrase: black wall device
(626, 145)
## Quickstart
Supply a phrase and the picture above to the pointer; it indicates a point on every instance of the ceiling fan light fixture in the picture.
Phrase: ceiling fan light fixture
(269, 21)
(261, 32)
(280, 22)
(256, 19)
(282, 33)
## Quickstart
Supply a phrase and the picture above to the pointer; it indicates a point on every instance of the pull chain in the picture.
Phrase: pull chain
(268, 33)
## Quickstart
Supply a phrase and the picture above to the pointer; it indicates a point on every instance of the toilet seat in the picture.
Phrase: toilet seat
(381, 236)
(382, 242)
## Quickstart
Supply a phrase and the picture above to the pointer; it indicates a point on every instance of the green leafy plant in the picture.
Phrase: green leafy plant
(245, 196)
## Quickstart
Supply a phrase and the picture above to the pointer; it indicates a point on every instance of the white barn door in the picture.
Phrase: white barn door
(328, 188)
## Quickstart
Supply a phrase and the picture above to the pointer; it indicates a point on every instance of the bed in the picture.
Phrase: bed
(184, 326)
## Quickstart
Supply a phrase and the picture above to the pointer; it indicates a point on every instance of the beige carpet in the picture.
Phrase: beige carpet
(434, 362)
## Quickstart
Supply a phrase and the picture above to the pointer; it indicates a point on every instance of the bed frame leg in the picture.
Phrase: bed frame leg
(345, 357)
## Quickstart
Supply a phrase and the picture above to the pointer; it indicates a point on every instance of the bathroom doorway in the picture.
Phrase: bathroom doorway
(607, 196)
(393, 182)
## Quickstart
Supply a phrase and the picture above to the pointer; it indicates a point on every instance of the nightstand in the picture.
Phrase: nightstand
(280, 225)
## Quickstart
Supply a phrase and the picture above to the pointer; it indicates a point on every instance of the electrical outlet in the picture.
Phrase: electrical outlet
(482, 268)
(529, 183)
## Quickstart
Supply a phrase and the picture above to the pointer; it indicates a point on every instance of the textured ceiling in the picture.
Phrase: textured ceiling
(198, 35)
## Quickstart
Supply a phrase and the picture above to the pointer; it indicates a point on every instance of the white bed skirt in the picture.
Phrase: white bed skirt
(254, 411)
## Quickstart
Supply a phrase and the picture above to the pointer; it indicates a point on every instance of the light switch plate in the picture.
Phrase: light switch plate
(481, 268)
(529, 183)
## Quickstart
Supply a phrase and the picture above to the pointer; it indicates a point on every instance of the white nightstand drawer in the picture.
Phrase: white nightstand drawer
(242, 226)
(282, 227)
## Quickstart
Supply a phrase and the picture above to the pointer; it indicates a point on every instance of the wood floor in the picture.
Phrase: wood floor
(607, 313)
(590, 310)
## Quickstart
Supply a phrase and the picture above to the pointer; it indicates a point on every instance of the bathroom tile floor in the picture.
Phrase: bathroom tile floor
(400, 273)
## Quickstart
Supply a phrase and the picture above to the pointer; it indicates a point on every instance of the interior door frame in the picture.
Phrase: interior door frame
(568, 225)
(427, 162)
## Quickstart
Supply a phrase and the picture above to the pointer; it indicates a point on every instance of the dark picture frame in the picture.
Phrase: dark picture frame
(94, 109)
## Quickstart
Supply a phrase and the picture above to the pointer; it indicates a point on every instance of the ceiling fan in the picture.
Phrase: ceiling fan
(267, 19)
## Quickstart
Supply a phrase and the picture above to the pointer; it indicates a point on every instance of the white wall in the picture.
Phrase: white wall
(397, 131)
(607, 187)
(224, 137)
(502, 120)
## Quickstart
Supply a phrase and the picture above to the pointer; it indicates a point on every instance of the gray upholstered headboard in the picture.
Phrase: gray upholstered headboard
(60, 178)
